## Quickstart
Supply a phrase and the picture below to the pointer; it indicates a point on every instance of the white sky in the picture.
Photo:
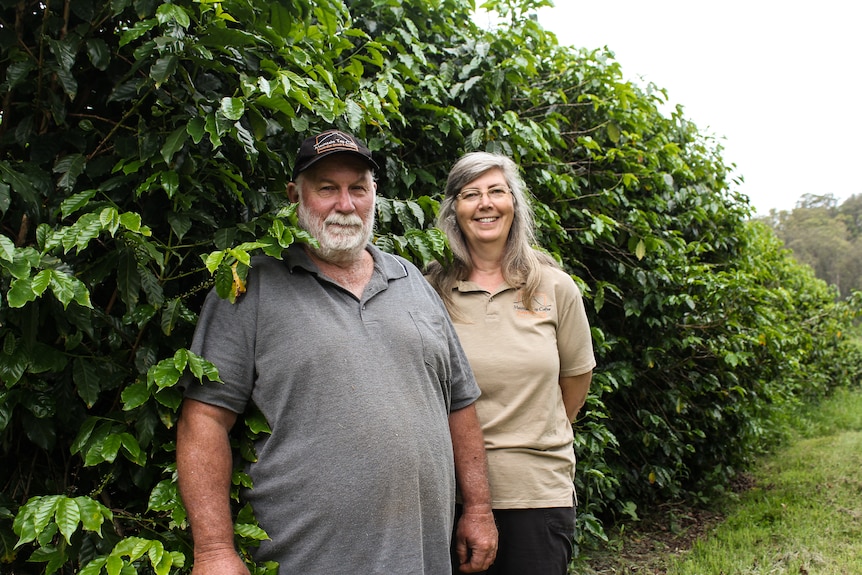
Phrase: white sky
(778, 82)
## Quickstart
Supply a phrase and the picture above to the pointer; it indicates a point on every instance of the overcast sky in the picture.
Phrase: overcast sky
(778, 82)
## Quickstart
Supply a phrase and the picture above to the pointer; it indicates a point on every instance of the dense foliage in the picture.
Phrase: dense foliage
(144, 152)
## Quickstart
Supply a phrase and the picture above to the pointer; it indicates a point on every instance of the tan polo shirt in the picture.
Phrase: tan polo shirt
(518, 357)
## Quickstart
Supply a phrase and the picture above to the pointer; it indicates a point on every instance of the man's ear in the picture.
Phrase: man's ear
(292, 192)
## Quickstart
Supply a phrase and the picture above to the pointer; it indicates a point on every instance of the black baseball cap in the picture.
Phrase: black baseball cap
(327, 143)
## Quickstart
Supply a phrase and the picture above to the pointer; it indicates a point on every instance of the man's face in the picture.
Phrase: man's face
(336, 206)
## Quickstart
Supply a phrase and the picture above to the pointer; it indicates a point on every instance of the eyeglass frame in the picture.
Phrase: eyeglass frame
(479, 193)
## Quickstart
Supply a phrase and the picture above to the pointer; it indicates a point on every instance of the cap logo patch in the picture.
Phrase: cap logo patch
(334, 141)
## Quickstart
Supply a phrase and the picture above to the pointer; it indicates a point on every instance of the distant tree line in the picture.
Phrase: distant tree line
(825, 235)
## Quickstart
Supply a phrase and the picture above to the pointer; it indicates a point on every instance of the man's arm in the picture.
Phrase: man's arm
(476, 533)
(204, 467)
(575, 390)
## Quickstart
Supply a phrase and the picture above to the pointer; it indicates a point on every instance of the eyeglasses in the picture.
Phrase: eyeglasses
(472, 195)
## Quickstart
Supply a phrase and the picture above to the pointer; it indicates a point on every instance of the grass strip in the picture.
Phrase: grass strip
(804, 513)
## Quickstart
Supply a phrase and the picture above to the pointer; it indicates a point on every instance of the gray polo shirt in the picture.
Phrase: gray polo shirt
(357, 475)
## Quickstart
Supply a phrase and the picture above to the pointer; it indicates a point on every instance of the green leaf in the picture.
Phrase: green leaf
(94, 567)
(114, 564)
(7, 249)
(70, 167)
(163, 497)
(181, 359)
(247, 139)
(211, 126)
(84, 434)
(171, 12)
(224, 281)
(128, 279)
(20, 293)
(163, 374)
(92, 513)
(78, 236)
(5, 198)
(201, 368)
(613, 132)
(63, 287)
(131, 221)
(170, 397)
(44, 509)
(21, 184)
(13, 363)
(170, 183)
(93, 454)
(87, 377)
(18, 72)
(250, 531)
(99, 53)
(137, 30)
(163, 69)
(109, 219)
(173, 143)
(240, 254)
(74, 203)
(152, 287)
(133, 448)
(180, 223)
(232, 108)
(68, 516)
(213, 261)
(111, 447)
(196, 128)
(172, 313)
(64, 51)
(134, 395)
(257, 423)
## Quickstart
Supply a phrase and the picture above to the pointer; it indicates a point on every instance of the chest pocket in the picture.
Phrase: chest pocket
(435, 343)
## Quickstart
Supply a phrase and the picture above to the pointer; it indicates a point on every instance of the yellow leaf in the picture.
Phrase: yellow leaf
(238, 287)
(640, 250)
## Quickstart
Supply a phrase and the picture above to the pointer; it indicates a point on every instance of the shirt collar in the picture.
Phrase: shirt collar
(390, 266)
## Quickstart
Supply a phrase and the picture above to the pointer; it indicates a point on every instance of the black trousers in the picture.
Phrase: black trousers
(532, 541)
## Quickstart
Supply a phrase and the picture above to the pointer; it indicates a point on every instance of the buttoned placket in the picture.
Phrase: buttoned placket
(376, 285)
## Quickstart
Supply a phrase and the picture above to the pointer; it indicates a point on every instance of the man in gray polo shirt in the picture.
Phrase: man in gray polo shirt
(351, 357)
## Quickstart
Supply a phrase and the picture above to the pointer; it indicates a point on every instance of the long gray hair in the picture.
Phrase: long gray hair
(521, 261)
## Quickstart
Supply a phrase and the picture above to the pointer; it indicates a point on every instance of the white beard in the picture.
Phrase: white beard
(342, 237)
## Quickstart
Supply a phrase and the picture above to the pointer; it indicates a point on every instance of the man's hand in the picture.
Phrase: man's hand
(218, 561)
(476, 541)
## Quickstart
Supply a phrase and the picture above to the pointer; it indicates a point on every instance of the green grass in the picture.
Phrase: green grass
(804, 514)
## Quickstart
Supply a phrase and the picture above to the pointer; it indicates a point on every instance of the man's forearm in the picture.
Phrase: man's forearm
(204, 467)
(471, 462)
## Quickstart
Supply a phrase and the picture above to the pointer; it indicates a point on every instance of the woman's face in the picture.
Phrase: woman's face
(485, 209)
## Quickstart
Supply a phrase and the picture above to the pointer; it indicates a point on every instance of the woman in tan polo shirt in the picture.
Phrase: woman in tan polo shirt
(522, 323)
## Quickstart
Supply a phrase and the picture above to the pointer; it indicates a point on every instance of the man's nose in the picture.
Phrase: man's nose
(344, 201)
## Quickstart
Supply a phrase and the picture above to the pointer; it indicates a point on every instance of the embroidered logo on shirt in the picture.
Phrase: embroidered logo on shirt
(541, 305)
